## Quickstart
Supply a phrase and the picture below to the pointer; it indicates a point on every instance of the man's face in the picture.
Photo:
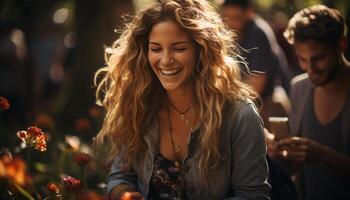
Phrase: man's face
(319, 60)
(235, 17)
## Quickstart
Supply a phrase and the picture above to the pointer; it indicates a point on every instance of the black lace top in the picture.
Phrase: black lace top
(166, 180)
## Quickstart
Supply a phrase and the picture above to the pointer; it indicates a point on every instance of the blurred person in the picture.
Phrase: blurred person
(261, 51)
(181, 123)
(319, 121)
(279, 24)
(12, 81)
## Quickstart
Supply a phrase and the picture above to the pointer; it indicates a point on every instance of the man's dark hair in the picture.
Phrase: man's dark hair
(318, 23)
(241, 3)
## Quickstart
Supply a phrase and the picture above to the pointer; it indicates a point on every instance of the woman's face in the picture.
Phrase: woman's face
(172, 55)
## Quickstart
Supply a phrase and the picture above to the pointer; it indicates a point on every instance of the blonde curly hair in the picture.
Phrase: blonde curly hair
(128, 87)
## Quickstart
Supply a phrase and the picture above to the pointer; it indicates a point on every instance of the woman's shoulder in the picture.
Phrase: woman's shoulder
(235, 107)
(236, 111)
(241, 117)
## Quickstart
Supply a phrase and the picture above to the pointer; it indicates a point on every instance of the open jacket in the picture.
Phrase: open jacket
(241, 174)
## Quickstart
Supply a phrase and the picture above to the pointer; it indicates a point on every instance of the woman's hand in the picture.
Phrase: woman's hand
(131, 196)
(124, 192)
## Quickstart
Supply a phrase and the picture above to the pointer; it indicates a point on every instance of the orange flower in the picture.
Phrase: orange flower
(14, 169)
(34, 131)
(4, 104)
(40, 143)
(82, 159)
(53, 188)
(33, 137)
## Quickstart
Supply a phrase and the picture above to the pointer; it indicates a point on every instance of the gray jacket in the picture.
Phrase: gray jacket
(241, 174)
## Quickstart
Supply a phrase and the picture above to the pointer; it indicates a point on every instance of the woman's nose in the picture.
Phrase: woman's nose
(166, 59)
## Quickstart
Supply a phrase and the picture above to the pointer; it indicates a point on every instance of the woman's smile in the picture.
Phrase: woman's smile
(170, 71)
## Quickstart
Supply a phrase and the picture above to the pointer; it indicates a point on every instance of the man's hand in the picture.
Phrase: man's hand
(301, 149)
(271, 143)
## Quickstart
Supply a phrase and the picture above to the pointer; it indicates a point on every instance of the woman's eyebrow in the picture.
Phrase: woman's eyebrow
(174, 43)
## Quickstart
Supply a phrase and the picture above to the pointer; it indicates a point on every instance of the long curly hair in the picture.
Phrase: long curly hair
(128, 87)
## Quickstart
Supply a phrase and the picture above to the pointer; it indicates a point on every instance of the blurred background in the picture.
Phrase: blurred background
(50, 50)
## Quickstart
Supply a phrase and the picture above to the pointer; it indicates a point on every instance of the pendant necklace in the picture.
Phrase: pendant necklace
(182, 114)
(176, 148)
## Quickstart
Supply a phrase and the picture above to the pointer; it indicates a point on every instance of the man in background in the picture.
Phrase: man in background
(259, 48)
(320, 115)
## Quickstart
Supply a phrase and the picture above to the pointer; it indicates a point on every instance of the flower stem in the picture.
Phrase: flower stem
(28, 157)
(23, 192)
(61, 161)
(83, 176)
(58, 195)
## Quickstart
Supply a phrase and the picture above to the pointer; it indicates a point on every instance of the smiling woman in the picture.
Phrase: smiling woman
(181, 123)
(172, 56)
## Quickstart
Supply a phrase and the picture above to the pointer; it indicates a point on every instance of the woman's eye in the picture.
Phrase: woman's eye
(155, 50)
(180, 49)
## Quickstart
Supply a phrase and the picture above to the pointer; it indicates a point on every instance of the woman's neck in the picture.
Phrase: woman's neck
(181, 99)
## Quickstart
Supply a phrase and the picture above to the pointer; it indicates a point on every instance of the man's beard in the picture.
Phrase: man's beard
(331, 75)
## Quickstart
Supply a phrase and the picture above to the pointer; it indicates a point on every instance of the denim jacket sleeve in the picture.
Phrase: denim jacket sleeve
(250, 170)
(118, 176)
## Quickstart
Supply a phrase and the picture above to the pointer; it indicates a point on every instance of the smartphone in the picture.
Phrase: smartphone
(279, 127)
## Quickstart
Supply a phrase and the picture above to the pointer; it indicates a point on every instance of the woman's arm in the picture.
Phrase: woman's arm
(119, 180)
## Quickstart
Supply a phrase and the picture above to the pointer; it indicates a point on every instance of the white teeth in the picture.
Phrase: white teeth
(170, 71)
